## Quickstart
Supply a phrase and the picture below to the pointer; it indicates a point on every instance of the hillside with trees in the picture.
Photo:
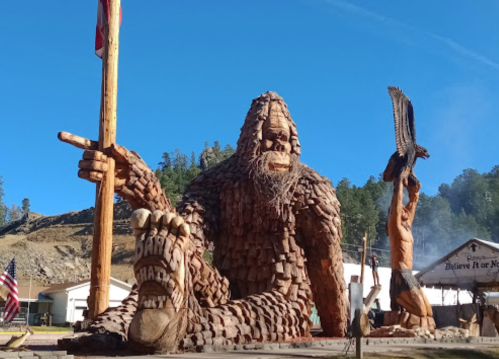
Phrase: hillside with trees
(13, 213)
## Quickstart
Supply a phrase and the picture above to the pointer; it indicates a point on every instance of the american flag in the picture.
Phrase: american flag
(9, 280)
(102, 20)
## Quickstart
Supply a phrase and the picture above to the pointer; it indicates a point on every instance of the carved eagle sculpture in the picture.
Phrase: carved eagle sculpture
(405, 137)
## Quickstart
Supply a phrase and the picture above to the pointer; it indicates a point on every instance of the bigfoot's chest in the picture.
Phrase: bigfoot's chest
(243, 211)
(256, 247)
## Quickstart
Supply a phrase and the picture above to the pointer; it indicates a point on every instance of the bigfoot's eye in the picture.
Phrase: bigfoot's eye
(283, 136)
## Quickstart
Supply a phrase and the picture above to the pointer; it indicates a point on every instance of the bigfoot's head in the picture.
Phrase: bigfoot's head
(268, 149)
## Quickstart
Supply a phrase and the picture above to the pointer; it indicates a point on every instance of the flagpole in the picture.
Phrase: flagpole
(103, 222)
(29, 300)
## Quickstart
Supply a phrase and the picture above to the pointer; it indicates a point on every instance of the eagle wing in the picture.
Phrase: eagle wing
(403, 115)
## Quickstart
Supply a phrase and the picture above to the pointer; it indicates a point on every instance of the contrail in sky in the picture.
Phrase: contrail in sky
(456, 47)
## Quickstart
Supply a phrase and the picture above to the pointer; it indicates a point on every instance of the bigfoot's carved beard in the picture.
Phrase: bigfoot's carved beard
(276, 186)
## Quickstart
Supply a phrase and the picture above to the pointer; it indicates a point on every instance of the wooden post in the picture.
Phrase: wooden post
(103, 223)
(359, 352)
(363, 258)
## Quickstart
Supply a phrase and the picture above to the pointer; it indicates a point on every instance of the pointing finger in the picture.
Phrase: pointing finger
(77, 141)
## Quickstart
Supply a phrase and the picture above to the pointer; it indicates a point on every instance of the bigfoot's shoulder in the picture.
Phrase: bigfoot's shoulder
(312, 182)
(316, 196)
(209, 182)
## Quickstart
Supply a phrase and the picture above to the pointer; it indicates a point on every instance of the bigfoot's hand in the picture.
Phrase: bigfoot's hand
(162, 255)
(93, 165)
(133, 181)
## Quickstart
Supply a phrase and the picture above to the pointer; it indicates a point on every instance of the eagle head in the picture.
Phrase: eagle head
(422, 152)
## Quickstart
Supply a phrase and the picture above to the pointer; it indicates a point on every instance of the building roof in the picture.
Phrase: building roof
(24, 293)
(475, 264)
(488, 243)
(64, 287)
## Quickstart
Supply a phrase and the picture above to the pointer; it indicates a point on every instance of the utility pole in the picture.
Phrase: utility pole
(104, 200)
(363, 257)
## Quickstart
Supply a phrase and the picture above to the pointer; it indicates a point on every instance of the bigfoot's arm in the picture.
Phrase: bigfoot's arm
(141, 187)
(134, 180)
(200, 209)
(320, 226)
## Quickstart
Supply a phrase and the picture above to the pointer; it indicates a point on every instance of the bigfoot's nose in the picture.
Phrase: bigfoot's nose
(278, 146)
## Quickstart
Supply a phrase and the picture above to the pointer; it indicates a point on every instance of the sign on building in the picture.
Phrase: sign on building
(475, 263)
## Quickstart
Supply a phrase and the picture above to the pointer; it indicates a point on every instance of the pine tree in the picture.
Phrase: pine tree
(167, 162)
(193, 170)
(25, 205)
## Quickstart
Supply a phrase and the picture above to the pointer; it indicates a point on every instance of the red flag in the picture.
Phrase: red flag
(9, 280)
(102, 20)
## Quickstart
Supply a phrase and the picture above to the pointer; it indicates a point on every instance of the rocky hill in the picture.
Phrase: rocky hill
(57, 249)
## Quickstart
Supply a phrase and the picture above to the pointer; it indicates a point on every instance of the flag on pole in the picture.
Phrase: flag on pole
(9, 280)
(102, 20)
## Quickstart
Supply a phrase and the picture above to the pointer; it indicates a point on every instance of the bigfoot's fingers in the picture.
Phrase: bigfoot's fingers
(94, 162)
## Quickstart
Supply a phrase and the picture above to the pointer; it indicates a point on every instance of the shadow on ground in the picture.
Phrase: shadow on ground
(490, 353)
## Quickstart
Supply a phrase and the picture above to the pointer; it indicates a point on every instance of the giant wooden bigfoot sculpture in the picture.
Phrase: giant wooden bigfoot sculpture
(275, 226)
(408, 302)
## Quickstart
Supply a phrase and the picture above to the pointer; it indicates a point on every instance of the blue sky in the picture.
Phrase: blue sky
(188, 71)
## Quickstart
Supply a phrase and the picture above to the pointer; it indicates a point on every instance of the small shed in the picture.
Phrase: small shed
(70, 299)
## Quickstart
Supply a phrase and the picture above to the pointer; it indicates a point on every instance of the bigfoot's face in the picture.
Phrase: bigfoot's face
(275, 140)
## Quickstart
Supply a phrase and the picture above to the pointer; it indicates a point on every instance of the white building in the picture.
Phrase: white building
(70, 299)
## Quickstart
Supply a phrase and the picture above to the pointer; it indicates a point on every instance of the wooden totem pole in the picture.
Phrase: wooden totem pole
(410, 307)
